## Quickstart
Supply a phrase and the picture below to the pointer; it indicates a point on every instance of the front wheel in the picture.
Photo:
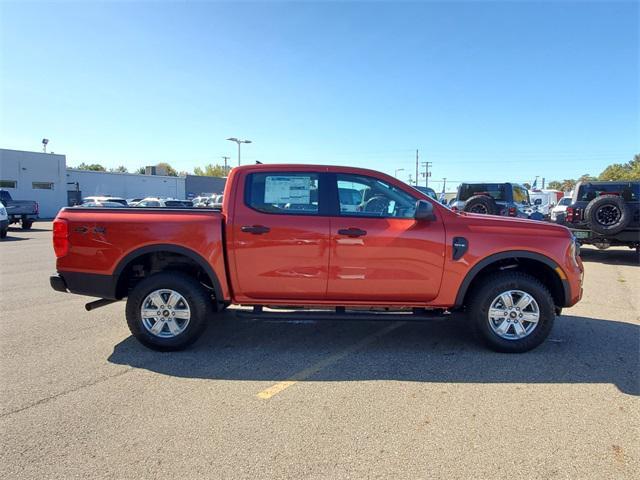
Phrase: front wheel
(168, 311)
(512, 312)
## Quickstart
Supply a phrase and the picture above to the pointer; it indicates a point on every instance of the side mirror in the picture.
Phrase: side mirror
(537, 201)
(424, 211)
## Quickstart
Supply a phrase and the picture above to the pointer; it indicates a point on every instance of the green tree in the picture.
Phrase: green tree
(622, 171)
(567, 185)
(554, 185)
(120, 169)
(210, 170)
(96, 167)
(141, 171)
(170, 170)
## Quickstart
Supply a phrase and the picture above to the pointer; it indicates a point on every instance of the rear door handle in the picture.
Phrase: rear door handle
(352, 232)
(255, 229)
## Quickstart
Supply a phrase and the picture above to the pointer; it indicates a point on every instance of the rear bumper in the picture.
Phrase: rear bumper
(89, 284)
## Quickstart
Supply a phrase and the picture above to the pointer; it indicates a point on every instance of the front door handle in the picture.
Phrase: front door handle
(352, 232)
(255, 229)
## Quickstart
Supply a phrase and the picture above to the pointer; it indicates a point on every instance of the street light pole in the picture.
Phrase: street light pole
(238, 141)
(398, 170)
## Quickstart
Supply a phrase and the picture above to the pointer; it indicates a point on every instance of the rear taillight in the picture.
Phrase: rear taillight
(37, 208)
(569, 214)
(513, 212)
(60, 237)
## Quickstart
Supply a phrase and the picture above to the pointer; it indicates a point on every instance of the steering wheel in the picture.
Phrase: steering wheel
(378, 204)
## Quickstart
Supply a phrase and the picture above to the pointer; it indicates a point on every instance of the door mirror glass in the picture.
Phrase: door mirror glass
(424, 211)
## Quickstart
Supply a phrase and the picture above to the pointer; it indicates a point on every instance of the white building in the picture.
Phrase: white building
(45, 178)
(35, 176)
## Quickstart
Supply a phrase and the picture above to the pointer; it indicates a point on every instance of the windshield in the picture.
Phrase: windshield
(565, 201)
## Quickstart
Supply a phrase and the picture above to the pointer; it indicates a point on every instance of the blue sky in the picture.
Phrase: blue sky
(490, 91)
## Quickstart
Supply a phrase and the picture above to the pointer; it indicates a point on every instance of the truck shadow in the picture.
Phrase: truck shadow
(610, 257)
(579, 351)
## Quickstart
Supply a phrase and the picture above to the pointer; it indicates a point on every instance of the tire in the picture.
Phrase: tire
(607, 215)
(3, 233)
(486, 296)
(483, 204)
(175, 334)
(26, 224)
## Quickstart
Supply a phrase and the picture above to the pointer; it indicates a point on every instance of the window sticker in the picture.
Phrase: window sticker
(283, 189)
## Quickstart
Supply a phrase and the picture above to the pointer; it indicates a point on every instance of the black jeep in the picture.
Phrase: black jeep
(506, 199)
(605, 214)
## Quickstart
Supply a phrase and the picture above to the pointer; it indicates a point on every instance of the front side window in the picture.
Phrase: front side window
(285, 193)
(363, 196)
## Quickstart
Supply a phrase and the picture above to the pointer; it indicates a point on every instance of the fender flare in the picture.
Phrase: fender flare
(162, 247)
(485, 262)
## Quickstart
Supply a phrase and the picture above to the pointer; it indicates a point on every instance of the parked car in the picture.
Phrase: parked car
(4, 221)
(105, 198)
(164, 203)
(427, 191)
(504, 199)
(400, 251)
(103, 204)
(132, 202)
(605, 214)
(560, 208)
(23, 211)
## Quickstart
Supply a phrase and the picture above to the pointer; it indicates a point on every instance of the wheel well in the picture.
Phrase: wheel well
(149, 263)
(536, 268)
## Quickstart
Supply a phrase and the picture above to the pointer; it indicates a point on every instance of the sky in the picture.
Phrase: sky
(486, 91)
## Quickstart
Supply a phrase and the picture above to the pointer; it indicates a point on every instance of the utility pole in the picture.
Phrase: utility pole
(427, 173)
(444, 184)
(226, 169)
(417, 167)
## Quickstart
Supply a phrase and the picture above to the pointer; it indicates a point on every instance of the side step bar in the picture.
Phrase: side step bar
(341, 313)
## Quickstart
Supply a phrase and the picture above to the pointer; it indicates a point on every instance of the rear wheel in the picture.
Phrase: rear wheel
(3, 232)
(168, 311)
(511, 312)
(26, 223)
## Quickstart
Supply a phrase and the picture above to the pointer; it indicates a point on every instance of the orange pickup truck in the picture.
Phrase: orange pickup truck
(324, 239)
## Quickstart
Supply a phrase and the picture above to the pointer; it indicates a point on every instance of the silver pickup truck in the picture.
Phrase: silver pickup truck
(23, 211)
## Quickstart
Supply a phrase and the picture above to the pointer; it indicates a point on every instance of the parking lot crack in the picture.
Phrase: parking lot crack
(43, 401)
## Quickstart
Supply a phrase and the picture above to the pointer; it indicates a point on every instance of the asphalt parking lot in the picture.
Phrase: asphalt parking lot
(269, 399)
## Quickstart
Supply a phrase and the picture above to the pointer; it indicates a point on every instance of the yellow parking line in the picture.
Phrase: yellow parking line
(307, 372)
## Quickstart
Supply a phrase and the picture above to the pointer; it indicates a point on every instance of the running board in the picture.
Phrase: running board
(341, 313)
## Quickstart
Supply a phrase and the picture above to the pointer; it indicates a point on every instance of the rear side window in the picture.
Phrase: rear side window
(520, 195)
(495, 190)
(629, 191)
(284, 193)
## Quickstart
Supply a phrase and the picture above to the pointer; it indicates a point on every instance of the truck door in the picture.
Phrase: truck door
(279, 237)
(379, 252)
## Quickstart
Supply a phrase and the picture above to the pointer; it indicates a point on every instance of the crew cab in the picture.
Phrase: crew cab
(288, 235)
(23, 211)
